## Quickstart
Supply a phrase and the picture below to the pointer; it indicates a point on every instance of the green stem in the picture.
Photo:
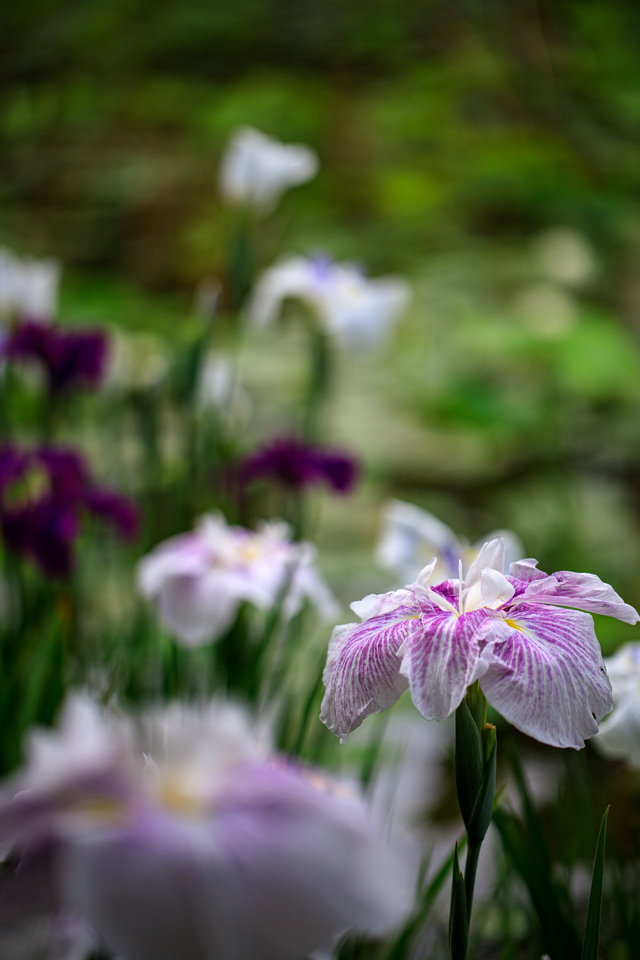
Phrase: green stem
(470, 868)
(475, 768)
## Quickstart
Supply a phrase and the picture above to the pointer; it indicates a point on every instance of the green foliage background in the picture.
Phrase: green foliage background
(450, 136)
(453, 136)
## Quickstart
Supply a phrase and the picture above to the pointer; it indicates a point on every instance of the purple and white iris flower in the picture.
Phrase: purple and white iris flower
(411, 536)
(45, 493)
(70, 358)
(256, 169)
(199, 579)
(357, 311)
(619, 735)
(538, 663)
(187, 840)
(297, 464)
(28, 288)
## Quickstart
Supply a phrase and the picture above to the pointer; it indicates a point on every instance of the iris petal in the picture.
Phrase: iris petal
(584, 591)
(362, 675)
(443, 657)
(548, 677)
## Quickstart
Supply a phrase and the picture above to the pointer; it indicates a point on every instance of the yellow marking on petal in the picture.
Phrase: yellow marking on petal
(514, 625)
(174, 796)
(106, 810)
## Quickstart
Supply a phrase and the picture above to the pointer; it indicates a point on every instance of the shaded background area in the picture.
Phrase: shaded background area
(488, 151)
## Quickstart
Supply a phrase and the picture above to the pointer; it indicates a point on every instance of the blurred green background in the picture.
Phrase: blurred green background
(487, 151)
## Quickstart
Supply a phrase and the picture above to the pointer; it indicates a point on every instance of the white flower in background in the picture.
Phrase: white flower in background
(28, 288)
(619, 736)
(199, 579)
(188, 841)
(356, 310)
(411, 536)
(256, 169)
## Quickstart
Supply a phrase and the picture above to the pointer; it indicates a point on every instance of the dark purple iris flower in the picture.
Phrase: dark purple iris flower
(297, 464)
(71, 358)
(44, 526)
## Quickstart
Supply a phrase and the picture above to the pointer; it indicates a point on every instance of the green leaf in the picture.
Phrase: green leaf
(458, 921)
(469, 760)
(483, 807)
(592, 929)
(402, 946)
(557, 926)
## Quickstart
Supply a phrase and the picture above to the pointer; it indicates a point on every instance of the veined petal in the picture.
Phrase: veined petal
(584, 591)
(548, 677)
(443, 657)
(362, 675)
(526, 570)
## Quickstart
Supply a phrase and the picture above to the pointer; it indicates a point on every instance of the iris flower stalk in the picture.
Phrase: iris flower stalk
(509, 641)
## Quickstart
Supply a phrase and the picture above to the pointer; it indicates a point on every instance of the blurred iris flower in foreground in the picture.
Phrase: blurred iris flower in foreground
(298, 464)
(357, 311)
(28, 288)
(200, 579)
(43, 495)
(410, 537)
(256, 169)
(189, 841)
(619, 735)
(538, 664)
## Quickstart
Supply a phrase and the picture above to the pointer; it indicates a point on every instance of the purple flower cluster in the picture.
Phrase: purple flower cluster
(71, 358)
(43, 494)
(297, 464)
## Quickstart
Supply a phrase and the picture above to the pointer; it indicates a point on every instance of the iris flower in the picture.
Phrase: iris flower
(410, 536)
(70, 358)
(256, 169)
(538, 663)
(356, 310)
(297, 464)
(188, 840)
(44, 494)
(28, 288)
(199, 579)
(619, 735)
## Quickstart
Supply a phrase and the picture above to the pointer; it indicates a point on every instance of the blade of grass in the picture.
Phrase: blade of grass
(594, 913)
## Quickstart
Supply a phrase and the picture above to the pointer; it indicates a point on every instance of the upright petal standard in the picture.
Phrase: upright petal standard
(189, 841)
(537, 663)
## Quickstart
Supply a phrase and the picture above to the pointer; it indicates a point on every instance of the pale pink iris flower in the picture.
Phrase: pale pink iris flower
(538, 663)
(198, 580)
(188, 840)
(357, 311)
(256, 169)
